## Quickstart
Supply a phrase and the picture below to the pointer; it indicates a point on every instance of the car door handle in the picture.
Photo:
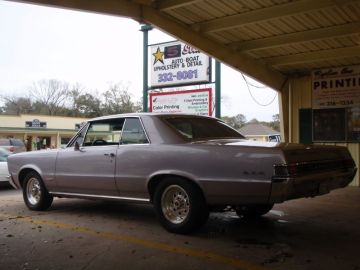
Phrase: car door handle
(109, 155)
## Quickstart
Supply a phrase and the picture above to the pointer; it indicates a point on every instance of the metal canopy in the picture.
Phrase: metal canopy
(269, 40)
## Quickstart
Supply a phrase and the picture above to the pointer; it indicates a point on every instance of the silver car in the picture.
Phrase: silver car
(184, 165)
(12, 145)
(4, 174)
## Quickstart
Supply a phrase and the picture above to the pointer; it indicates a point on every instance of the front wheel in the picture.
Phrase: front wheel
(180, 205)
(35, 195)
(253, 211)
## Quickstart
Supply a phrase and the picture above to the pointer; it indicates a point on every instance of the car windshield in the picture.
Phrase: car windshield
(3, 155)
(197, 128)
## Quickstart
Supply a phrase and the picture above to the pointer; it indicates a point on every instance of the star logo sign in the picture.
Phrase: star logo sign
(158, 56)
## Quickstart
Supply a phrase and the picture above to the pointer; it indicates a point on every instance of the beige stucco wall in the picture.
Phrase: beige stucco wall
(53, 122)
(300, 98)
(57, 127)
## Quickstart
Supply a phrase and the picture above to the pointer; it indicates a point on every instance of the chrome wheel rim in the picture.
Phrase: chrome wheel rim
(175, 204)
(33, 191)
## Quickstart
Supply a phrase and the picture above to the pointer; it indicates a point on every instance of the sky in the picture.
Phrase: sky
(95, 51)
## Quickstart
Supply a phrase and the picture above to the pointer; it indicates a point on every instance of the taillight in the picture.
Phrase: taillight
(349, 163)
(281, 170)
(292, 169)
(12, 149)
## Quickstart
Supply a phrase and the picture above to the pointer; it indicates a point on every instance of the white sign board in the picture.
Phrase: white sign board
(191, 101)
(175, 63)
(336, 87)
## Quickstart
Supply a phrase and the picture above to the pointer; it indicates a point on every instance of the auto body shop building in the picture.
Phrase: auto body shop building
(309, 51)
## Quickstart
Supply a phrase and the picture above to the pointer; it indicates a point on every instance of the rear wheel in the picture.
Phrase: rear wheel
(253, 211)
(180, 205)
(35, 195)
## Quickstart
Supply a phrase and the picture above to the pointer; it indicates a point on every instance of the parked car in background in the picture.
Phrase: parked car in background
(4, 173)
(13, 145)
(274, 138)
(185, 165)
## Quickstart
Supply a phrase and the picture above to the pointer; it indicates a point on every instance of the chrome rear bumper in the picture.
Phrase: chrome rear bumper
(311, 185)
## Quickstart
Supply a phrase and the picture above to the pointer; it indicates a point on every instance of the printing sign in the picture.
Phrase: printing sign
(176, 63)
(336, 87)
(336, 104)
(192, 101)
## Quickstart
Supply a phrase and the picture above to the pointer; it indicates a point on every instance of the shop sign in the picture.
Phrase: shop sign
(192, 101)
(36, 123)
(336, 87)
(336, 103)
(176, 63)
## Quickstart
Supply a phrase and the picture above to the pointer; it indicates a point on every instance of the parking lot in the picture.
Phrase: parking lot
(319, 233)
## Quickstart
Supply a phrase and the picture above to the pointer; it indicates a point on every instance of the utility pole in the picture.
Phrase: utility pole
(217, 89)
(145, 28)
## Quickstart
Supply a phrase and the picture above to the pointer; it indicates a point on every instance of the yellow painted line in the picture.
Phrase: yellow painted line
(205, 255)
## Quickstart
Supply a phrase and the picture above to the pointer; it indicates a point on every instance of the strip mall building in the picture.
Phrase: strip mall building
(40, 131)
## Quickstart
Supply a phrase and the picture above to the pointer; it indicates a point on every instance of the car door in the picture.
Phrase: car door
(87, 166)
(133, 157)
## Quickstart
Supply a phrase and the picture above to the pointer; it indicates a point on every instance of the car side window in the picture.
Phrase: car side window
(133, 132)
(104, 132)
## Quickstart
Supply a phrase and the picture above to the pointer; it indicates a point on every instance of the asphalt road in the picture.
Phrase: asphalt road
(320, 233)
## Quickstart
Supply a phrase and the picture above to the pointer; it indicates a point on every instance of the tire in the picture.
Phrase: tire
(35, 195)
(180, 205)
(253, 211)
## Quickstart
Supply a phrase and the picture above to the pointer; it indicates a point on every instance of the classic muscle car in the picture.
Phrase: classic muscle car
(184, 165)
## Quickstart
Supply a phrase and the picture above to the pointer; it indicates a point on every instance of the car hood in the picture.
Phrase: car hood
(33, 153)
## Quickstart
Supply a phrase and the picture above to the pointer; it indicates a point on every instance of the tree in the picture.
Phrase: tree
(118, 100)
(53, 97)
(236, 121)
(16, 105)
(275, 124)
(88, 106)
(49, 96)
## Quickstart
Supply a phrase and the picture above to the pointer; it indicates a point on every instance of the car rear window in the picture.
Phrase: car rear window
(196, 128)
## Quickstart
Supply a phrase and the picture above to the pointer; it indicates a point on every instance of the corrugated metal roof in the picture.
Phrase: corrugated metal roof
(230, 23)
(266, 39)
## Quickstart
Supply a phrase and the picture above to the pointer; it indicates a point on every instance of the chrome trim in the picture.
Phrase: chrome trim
(33, 191)
(175, 204)
(99, 196)
(119, 143)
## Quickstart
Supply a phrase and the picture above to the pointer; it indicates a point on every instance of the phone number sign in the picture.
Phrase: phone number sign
(191, 101)
(176, 63)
